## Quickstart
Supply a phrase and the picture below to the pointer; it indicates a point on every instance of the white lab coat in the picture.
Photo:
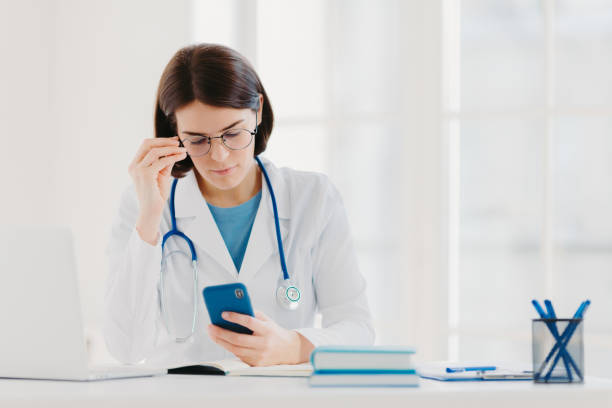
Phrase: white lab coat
(320, 258)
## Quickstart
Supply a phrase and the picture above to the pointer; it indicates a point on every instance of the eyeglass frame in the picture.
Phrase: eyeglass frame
(222, 137)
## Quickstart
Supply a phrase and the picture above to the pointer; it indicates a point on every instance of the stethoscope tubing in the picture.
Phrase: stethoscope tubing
(194, 259)
(279, 239)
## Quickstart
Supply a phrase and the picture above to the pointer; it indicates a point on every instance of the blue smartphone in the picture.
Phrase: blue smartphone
(231, 297)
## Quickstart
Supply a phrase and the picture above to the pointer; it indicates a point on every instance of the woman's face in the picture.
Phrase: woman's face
(221, 167)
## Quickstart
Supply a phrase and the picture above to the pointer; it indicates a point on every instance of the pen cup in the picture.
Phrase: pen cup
(557, 350)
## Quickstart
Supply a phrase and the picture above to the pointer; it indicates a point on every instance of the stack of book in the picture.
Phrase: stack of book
(369, 366)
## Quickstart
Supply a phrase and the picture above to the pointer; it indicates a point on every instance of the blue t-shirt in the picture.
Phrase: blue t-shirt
(235, 224)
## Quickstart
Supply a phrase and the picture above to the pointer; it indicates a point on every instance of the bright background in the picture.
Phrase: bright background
(471, 141)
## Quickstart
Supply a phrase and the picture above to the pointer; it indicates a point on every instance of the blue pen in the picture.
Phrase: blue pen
(555, 334)
(473, 368)
(538, 309)
(550, 309)
(565, 332)
(564, 340)
(566, 336)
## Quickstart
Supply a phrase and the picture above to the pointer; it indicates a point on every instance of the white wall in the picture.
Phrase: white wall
(28, 158)
(78, 80)
(94, 66)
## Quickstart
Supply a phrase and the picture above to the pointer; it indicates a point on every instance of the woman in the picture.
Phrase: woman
(213, 118)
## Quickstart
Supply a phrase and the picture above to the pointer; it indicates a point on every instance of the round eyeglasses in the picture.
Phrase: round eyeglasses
(233, 139)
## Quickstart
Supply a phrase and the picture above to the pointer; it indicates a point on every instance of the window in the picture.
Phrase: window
(470, 141)
(528, 111)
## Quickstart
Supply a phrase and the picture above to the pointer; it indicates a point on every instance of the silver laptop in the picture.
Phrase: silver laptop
(41, 331)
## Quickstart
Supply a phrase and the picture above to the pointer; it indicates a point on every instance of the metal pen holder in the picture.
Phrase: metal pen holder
(558, 350)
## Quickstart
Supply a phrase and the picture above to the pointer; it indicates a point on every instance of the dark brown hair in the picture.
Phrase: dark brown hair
(214, 75)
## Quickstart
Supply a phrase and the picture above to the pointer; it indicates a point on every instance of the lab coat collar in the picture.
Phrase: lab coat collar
(189, 200)
(198, 223)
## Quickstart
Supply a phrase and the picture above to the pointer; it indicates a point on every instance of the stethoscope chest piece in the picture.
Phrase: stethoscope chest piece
(288, 295)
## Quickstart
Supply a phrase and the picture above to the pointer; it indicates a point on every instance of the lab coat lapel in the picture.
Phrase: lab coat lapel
(196, 221)
(262, 242)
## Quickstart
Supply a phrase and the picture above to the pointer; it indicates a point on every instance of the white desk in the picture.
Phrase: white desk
(216, 391)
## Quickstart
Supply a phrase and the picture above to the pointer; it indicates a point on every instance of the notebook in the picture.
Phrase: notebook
(240, 368)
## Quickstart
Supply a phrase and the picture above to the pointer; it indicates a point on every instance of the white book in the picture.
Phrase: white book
(364, 380)
(240, 368)
(359, 358)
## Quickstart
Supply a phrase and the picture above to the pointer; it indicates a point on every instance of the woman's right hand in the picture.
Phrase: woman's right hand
(150, 170)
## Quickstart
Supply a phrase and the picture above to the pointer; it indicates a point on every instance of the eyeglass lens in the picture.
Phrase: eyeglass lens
(235, 140)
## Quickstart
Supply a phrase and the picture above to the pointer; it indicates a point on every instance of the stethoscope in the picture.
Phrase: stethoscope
(287, 293)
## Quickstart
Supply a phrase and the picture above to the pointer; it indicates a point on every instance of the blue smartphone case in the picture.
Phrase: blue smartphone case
(231, 297)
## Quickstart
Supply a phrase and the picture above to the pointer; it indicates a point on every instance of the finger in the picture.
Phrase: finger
(158, 153)
(167, 171)
(167, 161)
(237, 339)
(226, 345)
(155, 155)
(261, 316)
(244, 354)
(246, 321)
(149, 143)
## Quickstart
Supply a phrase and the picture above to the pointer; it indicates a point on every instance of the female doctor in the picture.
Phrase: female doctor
(207, 209)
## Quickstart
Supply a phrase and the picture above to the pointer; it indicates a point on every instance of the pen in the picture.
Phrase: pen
(558, 337)
(474, 368)
(539, 309)
(555, 333)
(566, 336)
(569, 330)
(550, 309)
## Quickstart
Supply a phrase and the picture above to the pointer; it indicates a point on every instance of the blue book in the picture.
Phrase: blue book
(367, 360)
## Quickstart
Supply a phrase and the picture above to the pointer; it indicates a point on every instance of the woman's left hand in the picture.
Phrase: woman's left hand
(269, 344)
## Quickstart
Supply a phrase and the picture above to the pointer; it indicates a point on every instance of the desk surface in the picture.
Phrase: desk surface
(210, 391)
